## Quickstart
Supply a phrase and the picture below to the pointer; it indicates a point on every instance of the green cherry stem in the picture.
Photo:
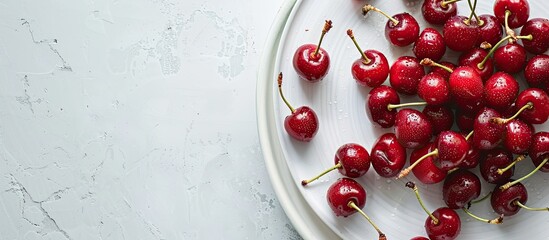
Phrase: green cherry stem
(508, 30)
(497, 220)
(327, 27)
(431, 63)
(518, 203)
(305, 182)
(469, 135)
(369, 7)
(502, 121)
(352, 204)
(495, 47)
(365, 59)
(282, 94)
(416, 191)
(509, 184)
(473, 14)
(444, 4)
(393, 106)
(519, 158)
(407, 170)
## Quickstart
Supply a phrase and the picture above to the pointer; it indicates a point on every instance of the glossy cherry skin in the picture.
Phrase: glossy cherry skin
(426, 171)
(540, 112)
(354, 159)
(536, 71)
(441, 117)
(494, 160)
(517, 136)
(448, 227)
(460, 187)
(487, 134)
(539, 29)
(302, 124)
(510, 58)
(376, 105)
(472, 158)
(388, 156)
(466, 87)
(412, 128)
(443, 72)
(501, 91)
(452, 148)
(539, 150)
(491, 31)
(343, 191)
(435, 13)
(309, 66)
(405, 32)
(373, 73)
(473, 57)
(405, 74)
(503, 201)
(459, 36)
(433, 89)
(520, 12)
(430, 44)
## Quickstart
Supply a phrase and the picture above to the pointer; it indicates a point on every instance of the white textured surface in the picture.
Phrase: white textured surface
(133, 119)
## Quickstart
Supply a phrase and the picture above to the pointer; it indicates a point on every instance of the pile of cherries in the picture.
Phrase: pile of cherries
(479, 92)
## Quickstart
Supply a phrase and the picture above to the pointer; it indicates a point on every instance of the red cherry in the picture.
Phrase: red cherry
(490, 31)
(472, 158)
(510, 58)
(351, 160)
(505, 201)
(466, 86)
(405, 74)
(438, 11)
(430, 44)
(343, 191)
(448, 226)
(412, 128)
(419, 238)
(460, 188)
(473, 58)
(464, 121)
(443, 72)
(371, 69)
(517, 136)
(493, 161)
(519, 12)
(536, 72)
(487, 134)
(539, 150)
(539, 112)
(433, 89)
(460, 36)
(539, 29)
(452, 148)
(401, 29)
(302, 124)
(376, 105)
(441, 117)
(426, 171)
(501, 90)
(312, 62)
(388, 156)
(346, 197)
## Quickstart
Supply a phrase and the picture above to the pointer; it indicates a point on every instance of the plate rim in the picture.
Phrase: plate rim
(303, 218)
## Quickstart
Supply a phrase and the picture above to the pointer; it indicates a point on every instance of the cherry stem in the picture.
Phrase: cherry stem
(393, 106)
(354, 206)
(509, 184)
(431, 63)
(501, 121)
(518, 203)
(305, 182)
(282, 94)
(492, 50)
(327, 27)
(416, 191)
(407, 170)
(508, 30)
(485, 45)
(497, 220)
(369, 7)
(517, 159)
(444, 4)
(473, 8)
(365, 59)
(479, 200)
(469, 135)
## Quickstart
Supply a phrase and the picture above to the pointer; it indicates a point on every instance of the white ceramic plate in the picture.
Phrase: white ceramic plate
(340, 104)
